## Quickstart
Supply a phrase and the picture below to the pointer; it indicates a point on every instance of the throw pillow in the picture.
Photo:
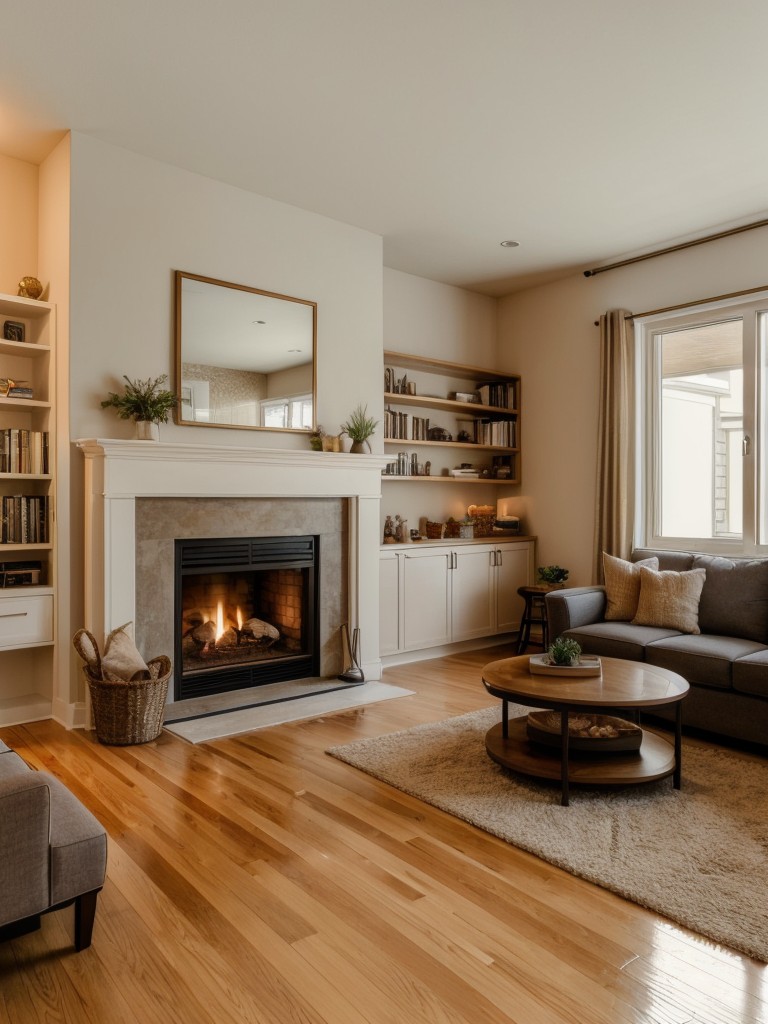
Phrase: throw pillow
(670, 600)
(622, 586)
(122, 658)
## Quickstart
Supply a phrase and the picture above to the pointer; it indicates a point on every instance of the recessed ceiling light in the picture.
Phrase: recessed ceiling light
(509, 244)
(258, 321)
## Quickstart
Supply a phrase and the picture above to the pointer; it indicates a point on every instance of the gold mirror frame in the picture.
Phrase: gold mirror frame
(243, 354)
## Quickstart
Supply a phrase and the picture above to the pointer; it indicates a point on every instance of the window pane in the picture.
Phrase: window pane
(701, 429)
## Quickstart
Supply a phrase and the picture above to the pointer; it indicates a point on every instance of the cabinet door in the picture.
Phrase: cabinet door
(389, 603)
(514, 568)
(426, 599)
(472, 597)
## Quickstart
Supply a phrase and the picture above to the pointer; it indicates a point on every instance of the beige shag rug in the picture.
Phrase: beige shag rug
(699, 855)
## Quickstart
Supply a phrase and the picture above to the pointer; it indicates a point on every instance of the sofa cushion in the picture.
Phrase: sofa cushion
(622, 586)
(680, 561)
(750, 674)
(617, 639)
(705, 660)
(734, 601)
(670, 599)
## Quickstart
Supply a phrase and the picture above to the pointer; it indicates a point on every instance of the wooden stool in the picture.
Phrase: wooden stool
(534, 614)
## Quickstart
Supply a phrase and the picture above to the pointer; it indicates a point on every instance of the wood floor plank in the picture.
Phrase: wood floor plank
(256, 880)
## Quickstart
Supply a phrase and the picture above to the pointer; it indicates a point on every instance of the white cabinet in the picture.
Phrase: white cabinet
(425, 598)
(473, 604)
(26, 620)
(434, 594)
(389, 587)
(27, 509)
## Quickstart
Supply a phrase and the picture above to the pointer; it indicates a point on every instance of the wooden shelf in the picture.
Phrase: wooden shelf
(23, 348)
(25, 476)
(23, 403)
(405, 442)
(470, 409)
(487, 419)
(464, 481)
(440, 366)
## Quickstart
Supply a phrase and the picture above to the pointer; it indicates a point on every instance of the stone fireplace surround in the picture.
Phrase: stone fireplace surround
(139, 494)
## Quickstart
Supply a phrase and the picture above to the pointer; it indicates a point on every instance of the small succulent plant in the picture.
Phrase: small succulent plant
(565, 651)
(552, 574)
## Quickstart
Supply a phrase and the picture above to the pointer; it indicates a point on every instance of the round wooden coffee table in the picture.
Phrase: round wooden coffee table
(628, 685)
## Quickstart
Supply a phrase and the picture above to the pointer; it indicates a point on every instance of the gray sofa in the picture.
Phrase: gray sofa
(726, 664)
(53, 852)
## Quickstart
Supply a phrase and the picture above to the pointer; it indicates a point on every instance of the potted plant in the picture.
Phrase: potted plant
(564, 651)
(146, 402)
(553, 575)
(359, 428)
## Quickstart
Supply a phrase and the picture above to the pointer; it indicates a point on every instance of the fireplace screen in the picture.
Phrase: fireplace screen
(245, 613)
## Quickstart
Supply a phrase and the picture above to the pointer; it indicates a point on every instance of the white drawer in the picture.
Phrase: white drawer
(26, 620)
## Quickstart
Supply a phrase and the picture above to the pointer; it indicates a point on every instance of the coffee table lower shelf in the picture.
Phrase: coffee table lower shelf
(654, 760)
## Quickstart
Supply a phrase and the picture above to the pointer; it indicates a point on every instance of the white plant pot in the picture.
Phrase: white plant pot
(147, 431)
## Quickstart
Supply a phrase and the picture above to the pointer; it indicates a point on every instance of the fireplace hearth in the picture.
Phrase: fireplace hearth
(245, 612)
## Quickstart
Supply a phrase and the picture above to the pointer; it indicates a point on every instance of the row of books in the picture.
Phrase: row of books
(25, 519)
(500, 395)
(398, 424)
(24, 451)
(502, 433)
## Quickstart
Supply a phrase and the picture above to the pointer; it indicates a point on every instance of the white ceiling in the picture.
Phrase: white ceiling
(584, 130)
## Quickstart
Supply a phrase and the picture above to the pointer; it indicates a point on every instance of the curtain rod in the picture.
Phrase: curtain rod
(696, 302)
(676, 248)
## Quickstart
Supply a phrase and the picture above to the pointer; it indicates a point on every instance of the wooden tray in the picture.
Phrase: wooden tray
(540, 664)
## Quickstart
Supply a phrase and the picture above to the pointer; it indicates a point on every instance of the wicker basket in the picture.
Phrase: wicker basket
(434, 530)
(128, 713)
(483, 525)
(452, 530)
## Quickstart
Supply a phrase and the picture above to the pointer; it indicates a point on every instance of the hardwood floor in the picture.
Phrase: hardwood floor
(256, 879)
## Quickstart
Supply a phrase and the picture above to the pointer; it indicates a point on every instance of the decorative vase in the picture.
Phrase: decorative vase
(146, 430)
(360, 447)
(30, 288)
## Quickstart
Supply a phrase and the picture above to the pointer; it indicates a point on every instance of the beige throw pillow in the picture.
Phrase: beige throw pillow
(121, 656)
(622, 586)
(670, 600)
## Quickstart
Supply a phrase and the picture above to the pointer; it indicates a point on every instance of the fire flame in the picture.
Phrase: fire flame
(239, 618)
(219, 621)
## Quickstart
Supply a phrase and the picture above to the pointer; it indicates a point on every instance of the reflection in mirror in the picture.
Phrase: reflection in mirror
(244, 357)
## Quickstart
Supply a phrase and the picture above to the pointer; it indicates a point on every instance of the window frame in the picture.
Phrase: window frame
(648, 419)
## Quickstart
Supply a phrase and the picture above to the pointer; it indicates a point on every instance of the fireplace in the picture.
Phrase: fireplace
(141, 498)
(245, 612)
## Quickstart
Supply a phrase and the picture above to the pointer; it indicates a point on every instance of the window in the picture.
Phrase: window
(703, 465)
(287, 412)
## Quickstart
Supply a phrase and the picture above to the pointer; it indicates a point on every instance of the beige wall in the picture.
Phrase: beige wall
(135, 220)
(547, 334)
(426, 318)
(18, 215)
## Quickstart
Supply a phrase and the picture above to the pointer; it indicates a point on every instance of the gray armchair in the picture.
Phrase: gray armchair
(53, 852)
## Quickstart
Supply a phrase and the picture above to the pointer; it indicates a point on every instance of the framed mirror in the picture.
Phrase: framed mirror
(245, 358)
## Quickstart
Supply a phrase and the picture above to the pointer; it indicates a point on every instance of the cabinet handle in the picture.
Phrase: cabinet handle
(13, 615)
(499, 557)
(493, 558)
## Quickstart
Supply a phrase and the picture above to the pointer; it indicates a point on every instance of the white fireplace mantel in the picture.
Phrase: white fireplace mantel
(118, 472)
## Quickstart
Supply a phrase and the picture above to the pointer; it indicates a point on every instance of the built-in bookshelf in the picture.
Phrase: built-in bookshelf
(27, 496)
(442, 416)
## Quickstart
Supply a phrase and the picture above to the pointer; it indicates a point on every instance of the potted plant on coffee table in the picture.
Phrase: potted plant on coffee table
(146, 402)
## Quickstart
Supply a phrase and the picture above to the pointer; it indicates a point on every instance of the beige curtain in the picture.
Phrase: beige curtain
(615, 498)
